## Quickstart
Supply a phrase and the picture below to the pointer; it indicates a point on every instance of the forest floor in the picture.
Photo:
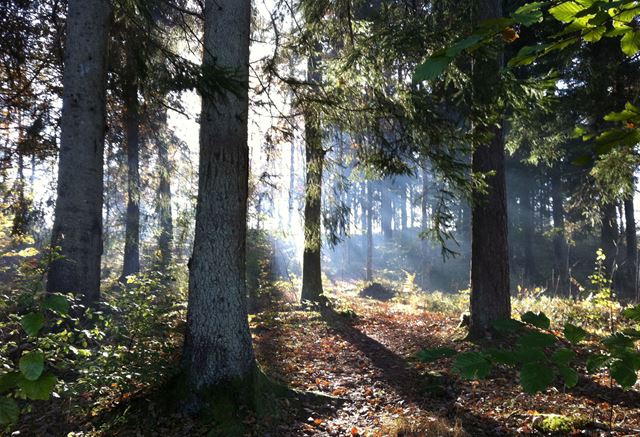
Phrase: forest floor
(363, 354)
(354, 369)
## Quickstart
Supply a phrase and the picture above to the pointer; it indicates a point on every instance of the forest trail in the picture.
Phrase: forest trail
(364, 354)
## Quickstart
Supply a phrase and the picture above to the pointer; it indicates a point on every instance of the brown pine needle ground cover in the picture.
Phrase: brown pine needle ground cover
(363, 355)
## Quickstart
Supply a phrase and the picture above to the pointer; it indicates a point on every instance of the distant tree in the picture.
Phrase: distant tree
(77, 227)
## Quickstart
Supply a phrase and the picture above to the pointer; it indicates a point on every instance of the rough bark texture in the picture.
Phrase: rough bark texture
(218, 346)
(560, 250)
(527, 219)
(77, 227)
(631, 262)
(131, 262)
(490, 293)
(311, 262)
(165, 215)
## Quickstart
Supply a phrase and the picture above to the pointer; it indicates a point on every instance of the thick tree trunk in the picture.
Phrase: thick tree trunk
(490, 293)
(77, 227)
(218, 350)
(560, 250)
(164, 211)
(311, 261)
(631, 262)
(131, 264)
(369, 227)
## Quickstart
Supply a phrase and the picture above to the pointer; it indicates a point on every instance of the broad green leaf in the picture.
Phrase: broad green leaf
(472, 365)
(632, 313)
(8, 381)
(431, 68)
(535, 377)
(569, 375)
(574, 334)
(502, 356)
(537, 339)
(529, 14)
(618, 341)
(539, 320)
(463, 45)
(567, 11)
(507, 326)
(8, 411)
(32, 323)
(563, 357)
(432, 354)
(597, 362)
(526, 355)
(57, 303)
(624, 373)
(630, 43)
(31, 365)
(40, 389)
(595, 34)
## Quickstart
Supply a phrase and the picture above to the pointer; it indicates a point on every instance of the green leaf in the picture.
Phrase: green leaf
(630, 43)
(432, 354)
(463, 45)
(566, 12)
(431, 68)
(574, 334)
(535, 377)
(539, 320)
(618, 341)
(8, 411)
(40, 389)
(597, 362)
(31, 365)
(569, 375)
(563, 357)
(32, 323)
(624, 373)
(537, 339)
(526, 355)
(58, 303)
(8, 381)
(595, 34)
(472, 365)
(502, 356)
(632, 313)
(507, 326)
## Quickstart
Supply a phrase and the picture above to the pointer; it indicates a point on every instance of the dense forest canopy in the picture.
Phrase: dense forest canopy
(319, 217)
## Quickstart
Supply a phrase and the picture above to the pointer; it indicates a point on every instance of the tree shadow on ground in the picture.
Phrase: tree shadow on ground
(411, 385)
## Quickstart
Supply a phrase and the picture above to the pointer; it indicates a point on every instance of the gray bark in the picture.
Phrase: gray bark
(77, 227)
(165, 215)
(218, 346)
(490, 294)
(311, 263)
(131, 264)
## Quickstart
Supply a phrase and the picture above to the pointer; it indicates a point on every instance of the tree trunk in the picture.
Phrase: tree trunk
(386, 209)
(403, 204)
(369, 227)
(631, 289)
(311, 261)
(560, 251)
(528, 231)
(77, 227)
(609, 236)
(218, 351)
(490, 293)
(131, 264)
(164, 211)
